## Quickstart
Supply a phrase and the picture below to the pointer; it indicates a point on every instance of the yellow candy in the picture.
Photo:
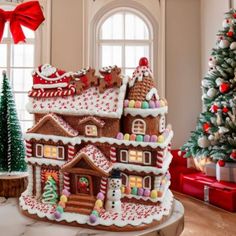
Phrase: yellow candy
(131, 103)
(126, 137)
(122, 189)
(154, 194)
(99, 203)
(160, 139)
(63, 198)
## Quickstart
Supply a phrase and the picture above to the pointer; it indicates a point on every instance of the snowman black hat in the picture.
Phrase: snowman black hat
(115, 174)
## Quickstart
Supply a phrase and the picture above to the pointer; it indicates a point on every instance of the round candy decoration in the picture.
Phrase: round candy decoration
(100, 196)
(143, 61)
(92, 218)
(57, 215)
(206, 126)
(221, 163)
(226, 23)
(214, 108)
(224, 87)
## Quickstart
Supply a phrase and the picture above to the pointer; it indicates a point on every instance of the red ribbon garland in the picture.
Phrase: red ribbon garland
(28, 14)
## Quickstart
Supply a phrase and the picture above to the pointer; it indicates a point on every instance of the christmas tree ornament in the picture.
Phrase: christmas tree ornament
(230, 33)
(224, 43)
(203, 142)
(221, 163)
(211, 93)
(223, 130)
(143, 61)
(206, 83)
(212, 61)
(233, 46)
(219, 81)
(224, 87)
(225, 109)
(211, 137)
(234, 15)
(206, 126)
(233, 155)
(226, 23)
(214, 108)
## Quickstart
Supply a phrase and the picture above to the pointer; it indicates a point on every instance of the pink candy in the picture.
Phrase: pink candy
(146, 138)
(157, 104)
(152, 104)
(100, 196)
(140, 191)
(137, 104)
(65, 192)
(132, 137)
(120, 136)
(146, 193)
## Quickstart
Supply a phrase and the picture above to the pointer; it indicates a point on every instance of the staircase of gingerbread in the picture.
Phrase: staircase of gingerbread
(80, 204)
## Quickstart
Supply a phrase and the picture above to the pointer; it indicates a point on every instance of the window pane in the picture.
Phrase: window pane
(28, 33)
(3, 55)
(22, 55)
(135, 27)
(22, 79)
(5, 32)
(129, 72)
(112, 28)
(111, 55)
(134, 53)
(26, 125)
(21, 100)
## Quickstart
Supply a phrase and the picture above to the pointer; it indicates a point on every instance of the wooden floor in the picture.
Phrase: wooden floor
(205, 220)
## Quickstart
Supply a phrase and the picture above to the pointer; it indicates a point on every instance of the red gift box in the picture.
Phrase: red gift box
(221, 194)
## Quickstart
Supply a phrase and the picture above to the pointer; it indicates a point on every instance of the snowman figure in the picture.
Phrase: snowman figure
(113, 202)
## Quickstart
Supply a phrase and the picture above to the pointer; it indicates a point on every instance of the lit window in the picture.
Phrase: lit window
(39, 150)
(147, 158)
(91, 130)
(123, 38)
(162, 123)
(138, 126)
(136, 181)
(147, 182)
(124, 156)
(50, 151)
(135, 156)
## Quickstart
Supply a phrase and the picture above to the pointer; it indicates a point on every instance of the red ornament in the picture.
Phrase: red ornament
(225, 109)
(234, 15)
(221, 163)
(233, 155)
(206, 126)
(214, 108)
(28, 14)
(230, 33)
(143, 61)
(224, 87)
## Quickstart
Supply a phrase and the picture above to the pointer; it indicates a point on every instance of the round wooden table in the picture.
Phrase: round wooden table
(13, 223)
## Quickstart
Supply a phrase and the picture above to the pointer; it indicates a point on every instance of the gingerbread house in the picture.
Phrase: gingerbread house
(104, 141)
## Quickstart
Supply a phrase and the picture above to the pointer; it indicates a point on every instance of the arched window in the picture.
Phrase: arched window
(123, 36)
(138, 126)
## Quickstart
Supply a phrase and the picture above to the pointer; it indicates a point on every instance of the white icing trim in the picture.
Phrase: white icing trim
(162, 123)
(67, 74)
(143, 124)
(78, 139)
(39, 86)
(145, 112)
(151, 93)
(146, 169)
(44, 161)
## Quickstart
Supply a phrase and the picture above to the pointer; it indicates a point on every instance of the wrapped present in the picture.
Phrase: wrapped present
(208, 189)
(210, 169)
(226, 172)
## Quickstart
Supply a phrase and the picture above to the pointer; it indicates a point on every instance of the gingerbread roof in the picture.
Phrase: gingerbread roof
(90, 102)
(49, 122)
(94, 157)
(95, 120)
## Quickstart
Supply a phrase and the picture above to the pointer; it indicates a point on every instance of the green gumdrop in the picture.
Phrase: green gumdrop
(145, 105)
(139, 138)
(95, 213)
(134, 191)
(60, 209)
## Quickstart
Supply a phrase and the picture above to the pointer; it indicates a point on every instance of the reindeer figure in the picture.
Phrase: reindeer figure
(83, 79)
(110, 77)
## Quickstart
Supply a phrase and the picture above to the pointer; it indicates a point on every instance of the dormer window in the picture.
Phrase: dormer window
(91, 130)
(138, 126)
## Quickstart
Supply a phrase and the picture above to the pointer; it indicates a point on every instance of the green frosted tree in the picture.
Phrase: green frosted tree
(12, 151)
(215, 133)
(50, 195)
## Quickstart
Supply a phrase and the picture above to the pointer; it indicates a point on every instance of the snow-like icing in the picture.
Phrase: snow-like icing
(146, 169)
(151, 93)
(132, 213)
(48, 70)
(90, 102)
(82, 72)
(107, 69)
(158, 199)
(94, 119)
(59, 121)
(145, 112)
(44, 161)
(96, 157)
(79, 139)
(139, 74)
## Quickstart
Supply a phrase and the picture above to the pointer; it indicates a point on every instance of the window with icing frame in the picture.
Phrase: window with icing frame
(138, 126)
(135, 156)
(123, 155)
(147, 182)
(55, 152)
(147, 158)
(124, 179)
(135, 181)
(91, 130)
(39, 150)
(18, 60)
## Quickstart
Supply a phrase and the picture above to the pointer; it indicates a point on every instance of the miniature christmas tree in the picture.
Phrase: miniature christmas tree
(12, 152)
(215, 134)
(50, 195)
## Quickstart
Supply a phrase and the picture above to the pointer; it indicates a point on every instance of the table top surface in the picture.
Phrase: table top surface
(13, 223)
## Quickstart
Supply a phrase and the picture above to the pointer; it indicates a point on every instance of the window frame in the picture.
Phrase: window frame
(150, 158)
(126, 179)
(36, 150)
(149, 181)
(87, 127)
(136, 155)
(126, 154)
(144, 126)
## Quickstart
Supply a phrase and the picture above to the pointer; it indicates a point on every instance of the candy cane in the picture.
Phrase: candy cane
(159, 159)
(66, 182)
(103, 186)
(71, 152)
(28, 149)
(113, 154)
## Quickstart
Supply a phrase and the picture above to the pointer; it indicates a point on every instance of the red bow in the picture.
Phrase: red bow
(28, 14)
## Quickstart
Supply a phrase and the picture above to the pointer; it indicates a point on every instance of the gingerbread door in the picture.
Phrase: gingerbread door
(83, 185)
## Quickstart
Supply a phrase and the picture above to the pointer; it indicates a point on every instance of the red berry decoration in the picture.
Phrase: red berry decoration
(230, 34)
(233, 155)
(224, 87)
(214, 108)
(225, 109)
(143, 61)
(234, 15)
(221, 163)
(206, 127)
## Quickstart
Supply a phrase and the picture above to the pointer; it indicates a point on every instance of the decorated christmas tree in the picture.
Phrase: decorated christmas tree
(50, 195)
(12, 152)
(215, 134)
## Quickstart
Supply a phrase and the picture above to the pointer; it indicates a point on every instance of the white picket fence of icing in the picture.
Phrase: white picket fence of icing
(226, 173)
